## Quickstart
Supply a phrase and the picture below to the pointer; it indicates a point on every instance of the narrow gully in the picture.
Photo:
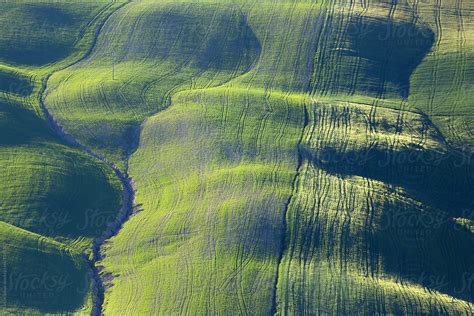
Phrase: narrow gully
(128, 195)
(113, 228)
(284, 229)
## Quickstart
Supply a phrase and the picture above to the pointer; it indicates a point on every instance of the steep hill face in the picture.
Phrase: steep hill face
(287, 157)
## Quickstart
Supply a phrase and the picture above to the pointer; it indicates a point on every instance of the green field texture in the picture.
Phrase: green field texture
(46, 32)
(442, 84)
(205, 46)
(211, 245)
(48, 187)
(289, 157)
(368, 228)
(55, 200)
(38, 270)
(208, 239)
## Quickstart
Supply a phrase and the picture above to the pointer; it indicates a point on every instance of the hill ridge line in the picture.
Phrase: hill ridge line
(46, 238)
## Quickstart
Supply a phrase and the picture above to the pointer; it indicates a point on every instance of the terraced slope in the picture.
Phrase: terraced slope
(281, 154)
(54, 199)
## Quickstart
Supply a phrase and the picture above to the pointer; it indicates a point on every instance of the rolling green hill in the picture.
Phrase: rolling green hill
(238, 157)
(55, 200)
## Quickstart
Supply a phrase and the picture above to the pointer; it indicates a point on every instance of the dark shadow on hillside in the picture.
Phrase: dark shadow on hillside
(374, 57)
(36, 33)
(417, 243)
(208, 37)
(76, 200)
(443, 180)
(15, 84)
(49, 282)
(17, 124)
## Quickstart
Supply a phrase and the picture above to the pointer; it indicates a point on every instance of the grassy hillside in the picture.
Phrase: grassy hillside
(211, 244)
(157, 49)
(44, 32)
(442, 84)
(47, 187)
(54, 199)
(288, 157)
(39, 270)
(53, 194)
(367, 225)
(219, 173)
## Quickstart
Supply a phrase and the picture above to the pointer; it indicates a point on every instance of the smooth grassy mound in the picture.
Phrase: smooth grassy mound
(41, 276)
(47, 187)
(36, 33)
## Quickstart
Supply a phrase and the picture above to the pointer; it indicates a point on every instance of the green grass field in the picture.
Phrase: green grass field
(286, 157)
(54, 199)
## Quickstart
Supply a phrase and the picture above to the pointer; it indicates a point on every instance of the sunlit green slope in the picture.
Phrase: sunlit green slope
(157, 49)
(54, 199)
(212, 243)
(274, 165)
(289, 157)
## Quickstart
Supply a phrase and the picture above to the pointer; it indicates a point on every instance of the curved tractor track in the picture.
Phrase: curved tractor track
(128, 195)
